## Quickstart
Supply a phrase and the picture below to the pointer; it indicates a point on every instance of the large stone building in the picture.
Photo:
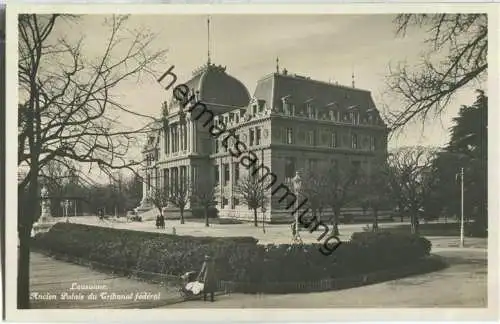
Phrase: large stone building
(291, 123)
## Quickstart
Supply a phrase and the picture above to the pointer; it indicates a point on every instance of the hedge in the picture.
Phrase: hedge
(238, 259)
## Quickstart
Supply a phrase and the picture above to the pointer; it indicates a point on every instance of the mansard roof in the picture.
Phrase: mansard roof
(301, 90)
(216, 86)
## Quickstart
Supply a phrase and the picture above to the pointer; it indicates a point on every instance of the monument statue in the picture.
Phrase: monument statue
(45, 202)
(297, 186)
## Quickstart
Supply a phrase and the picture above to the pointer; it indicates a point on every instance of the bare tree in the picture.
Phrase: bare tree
(56, 175)
(159, 197)
(253, 192)
(204, 197)
(456, 58)
(340, 180)
(374, 191)
(315, 189)
(412, 166)
(180, 197)
(68, 110)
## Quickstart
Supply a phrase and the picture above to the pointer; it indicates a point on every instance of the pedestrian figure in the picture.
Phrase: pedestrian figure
(162, 222)
(207, 276)
(157, 221)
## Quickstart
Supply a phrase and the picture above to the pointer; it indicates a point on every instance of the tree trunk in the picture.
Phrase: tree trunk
(375, 220)
(414, 222)
(336, 217)
(23, 270)
(182, 215)
(206, 217)
(255, 217)
(26, 216)
(263, 222)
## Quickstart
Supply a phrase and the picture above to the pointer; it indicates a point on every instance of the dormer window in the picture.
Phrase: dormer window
(262, 104)
(254, 109)
(355, 117)
(354, 141)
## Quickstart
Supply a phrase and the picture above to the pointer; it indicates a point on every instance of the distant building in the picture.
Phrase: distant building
(291, 123)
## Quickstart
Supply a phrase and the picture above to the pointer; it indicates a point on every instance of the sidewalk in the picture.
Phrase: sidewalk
(462, 284)
(59, 284)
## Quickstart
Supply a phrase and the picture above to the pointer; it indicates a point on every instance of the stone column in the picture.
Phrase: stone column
(181, 137)
(144, 187)
(185, 127)
(189, 135)
(171, 139)
(194, 136)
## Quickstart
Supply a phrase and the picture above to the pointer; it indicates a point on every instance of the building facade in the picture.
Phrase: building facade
(291, 123)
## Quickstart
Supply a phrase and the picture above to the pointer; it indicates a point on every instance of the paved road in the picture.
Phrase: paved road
(67, 282)
(274, 233)
(463, 284)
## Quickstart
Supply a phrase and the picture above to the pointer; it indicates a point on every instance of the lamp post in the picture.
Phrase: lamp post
(297, 185)
(462, 237)
(66, 211)
(263, 209)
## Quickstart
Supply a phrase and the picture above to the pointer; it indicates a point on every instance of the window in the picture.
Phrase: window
(148, 180)
(251, 136)
(289, 136)
(261, 106)
(310, 137)
(333, 142)
(372, 143)
(224, 201)
(236, 201)
(216, 145)
(354, 141)
(194, 175)
(254, 109)
(166, 185)
(216, 174)
(257, 136)
(355, 117)
(289, 168)
(226, 173)
(312, 164)
(167, 141)
(356, 167)
(236, 171)
(334, 164)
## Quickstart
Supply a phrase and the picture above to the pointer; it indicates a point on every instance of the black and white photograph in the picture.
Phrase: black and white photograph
(217, 159)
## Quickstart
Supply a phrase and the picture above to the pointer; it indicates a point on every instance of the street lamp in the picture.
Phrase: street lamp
(263, 209)
(66, 211)
(460, 157)
(462, 237)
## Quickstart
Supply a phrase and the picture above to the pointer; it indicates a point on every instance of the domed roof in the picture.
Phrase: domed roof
(218, 87)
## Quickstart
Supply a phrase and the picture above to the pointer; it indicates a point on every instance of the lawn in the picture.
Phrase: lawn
(437, 229)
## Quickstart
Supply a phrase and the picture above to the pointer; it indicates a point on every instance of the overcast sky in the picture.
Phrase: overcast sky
(322, 47)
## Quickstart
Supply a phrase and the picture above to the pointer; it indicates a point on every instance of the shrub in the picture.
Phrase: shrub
(200, 213)
(238, 259)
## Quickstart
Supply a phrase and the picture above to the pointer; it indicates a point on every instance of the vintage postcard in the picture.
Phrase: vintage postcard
(252, 163)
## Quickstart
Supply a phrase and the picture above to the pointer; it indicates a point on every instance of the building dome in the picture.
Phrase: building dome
(214, 85)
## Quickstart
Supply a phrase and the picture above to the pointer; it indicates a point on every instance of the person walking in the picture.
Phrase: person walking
(208, 277)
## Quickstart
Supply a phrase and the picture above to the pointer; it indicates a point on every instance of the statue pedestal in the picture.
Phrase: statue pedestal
(40, 227)
(144, 206)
